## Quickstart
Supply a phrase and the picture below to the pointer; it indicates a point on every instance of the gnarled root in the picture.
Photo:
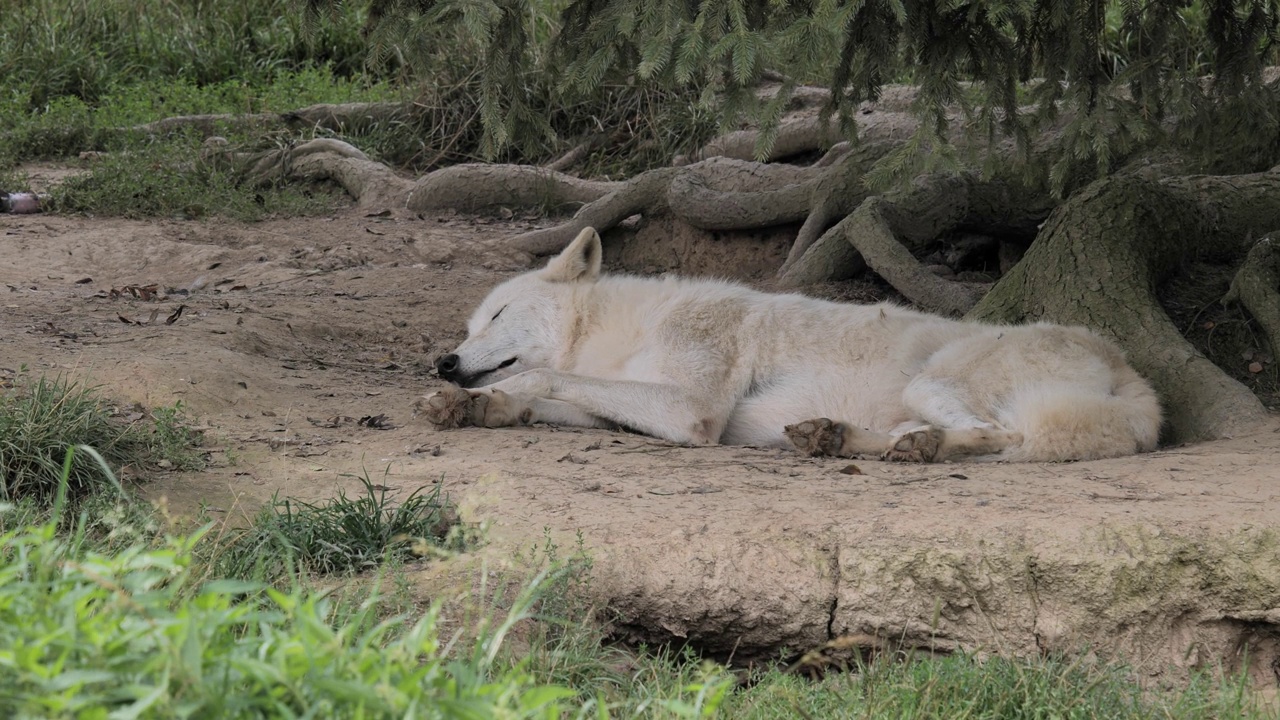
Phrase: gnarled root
(884, 230)
(1256, 286)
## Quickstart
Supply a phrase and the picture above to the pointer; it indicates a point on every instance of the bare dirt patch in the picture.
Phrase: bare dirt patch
(294, 334)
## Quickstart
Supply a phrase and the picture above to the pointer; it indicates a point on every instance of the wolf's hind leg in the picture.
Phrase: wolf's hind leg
(930, 443)
(821, 436)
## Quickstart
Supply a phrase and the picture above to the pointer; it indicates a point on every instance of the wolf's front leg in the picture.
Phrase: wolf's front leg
(456, 407)
(684, 415)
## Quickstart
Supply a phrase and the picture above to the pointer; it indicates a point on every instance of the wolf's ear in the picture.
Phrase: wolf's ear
(580, 261)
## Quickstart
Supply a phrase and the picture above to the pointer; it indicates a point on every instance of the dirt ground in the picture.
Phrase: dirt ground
(292, 331)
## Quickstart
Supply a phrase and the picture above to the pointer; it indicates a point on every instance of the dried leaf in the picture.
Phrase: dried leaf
(333, 422)
(176, 314)
(377, 422)
(145, 293)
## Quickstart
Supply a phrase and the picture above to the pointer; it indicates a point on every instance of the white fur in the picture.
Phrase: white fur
(705, 361)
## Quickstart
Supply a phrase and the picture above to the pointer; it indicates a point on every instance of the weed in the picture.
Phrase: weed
(341, 536)
(40, 419)
(137, 632)
(173, 440)
(86, 634)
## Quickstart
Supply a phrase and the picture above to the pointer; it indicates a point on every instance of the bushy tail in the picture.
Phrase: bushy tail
(1062, 424)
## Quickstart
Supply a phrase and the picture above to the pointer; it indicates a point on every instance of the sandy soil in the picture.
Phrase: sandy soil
(293, 331)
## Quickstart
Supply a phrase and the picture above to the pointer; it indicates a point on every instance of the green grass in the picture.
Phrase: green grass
(66, 125)
(86, 49)
(40, 418)
(84, 634)
(963, 687)
(106, 613)
(343, 535)
(140, 631)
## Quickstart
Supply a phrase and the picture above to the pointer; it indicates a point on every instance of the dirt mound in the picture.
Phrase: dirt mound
(292, 330)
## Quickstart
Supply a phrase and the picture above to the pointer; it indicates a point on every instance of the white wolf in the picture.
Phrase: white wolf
(699, 361)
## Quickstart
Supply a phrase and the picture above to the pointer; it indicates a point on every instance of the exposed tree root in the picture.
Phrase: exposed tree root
(1257, 287)
(874, 230)
(477, 186)
(885, 230)
(371, 183)
(576, 154)
(886, 120)
(1099, 259)
(810, 134)
(468, 187)
(763, 194)
(643, 193)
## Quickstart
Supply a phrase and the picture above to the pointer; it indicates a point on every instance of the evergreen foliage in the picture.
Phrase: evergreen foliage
(1114, 78)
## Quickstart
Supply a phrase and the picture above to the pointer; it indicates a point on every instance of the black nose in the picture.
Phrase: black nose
(447, 365)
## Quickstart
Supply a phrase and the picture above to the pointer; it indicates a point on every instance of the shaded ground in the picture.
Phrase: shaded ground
(294, 331)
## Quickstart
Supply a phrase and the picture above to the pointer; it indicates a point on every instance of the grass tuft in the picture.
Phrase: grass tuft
(963, 686)
(40, 419)
(343, 535)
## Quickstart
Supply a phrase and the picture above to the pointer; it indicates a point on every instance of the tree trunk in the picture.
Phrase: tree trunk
(1103, 253)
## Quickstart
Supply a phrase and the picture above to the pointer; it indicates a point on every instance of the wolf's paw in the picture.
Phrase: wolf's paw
(455, 407)
(505, 409)
(452, 407)
(816, 437)
(916, 446)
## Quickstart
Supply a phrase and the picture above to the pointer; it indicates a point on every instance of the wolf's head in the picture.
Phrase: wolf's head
(518, 327)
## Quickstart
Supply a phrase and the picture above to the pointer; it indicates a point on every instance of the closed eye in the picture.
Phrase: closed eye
(495, 315)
